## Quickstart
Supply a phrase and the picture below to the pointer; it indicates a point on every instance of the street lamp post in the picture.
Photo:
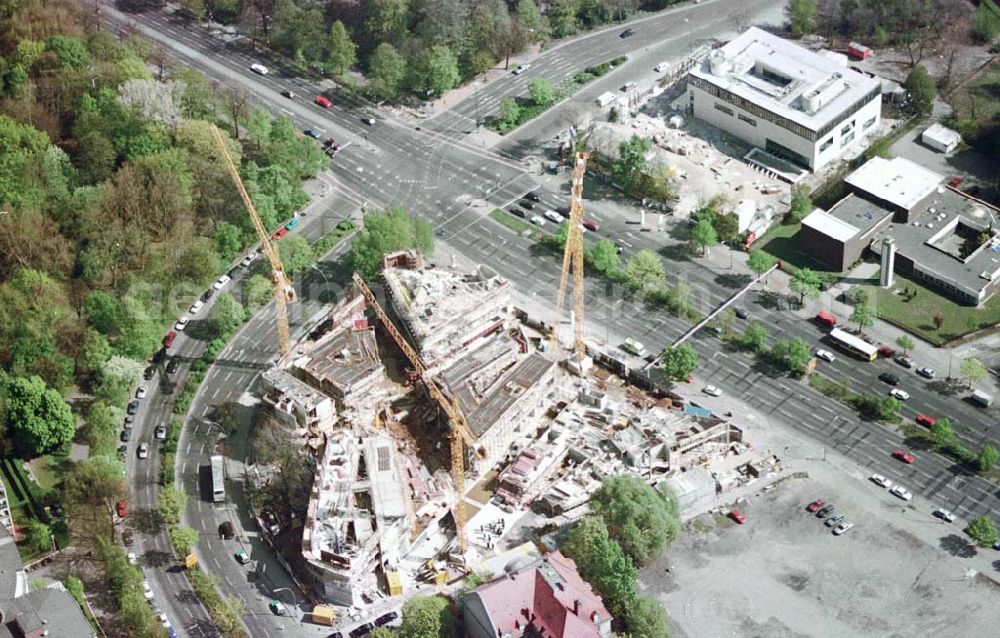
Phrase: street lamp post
(294, 599)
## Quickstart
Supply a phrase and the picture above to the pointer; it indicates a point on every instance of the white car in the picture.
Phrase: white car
(553, 217)
(196, 307)
(144, 450)
(712, 391)
(248, 259)
(132, 558)
(141, 391)
(221, 281)
(162, 617)
(927, 373)
(521, 68)
(944, 515)
(161, 432)
(147, 591)
(901, 492)
(843, 527)
(259, 69)
(537, 221)
(181, 323)
(881, 481)
(899, 394)
(826, 355)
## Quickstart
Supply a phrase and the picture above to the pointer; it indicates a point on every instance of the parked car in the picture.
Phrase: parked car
(815, 505)
(737, 516)
(221, 282)
(590, 225)
(311, 133)
(196, 307)
(627, 33)
(537, 221)
(904, 456)
(628, 86)
(133, 406)
(526, 204)
(826, 355)
(553, 216)
(533, 196)
(168, 339)
(132, 558)
(361, 630)
(901, 492)
(944, 515)
(925, 420)
(125, 435)
(927, 373)
(121, 508)
(205, 296)
(323, 101)
(825, 511)
(369, 121)
(277, 608)
(172, 365)
(888, 377)
(292, 223)
(520, 68)
(955, 182)
(517, 212)
(141, 391)
(712, 391)
(281, 232)
(843, 527)
(881, 481)
(127, 537)
(742, 313)
(181, 324)
(149, 372)
(226, 530)
(259, 69)
(385, 619)
(143, 452)
(160, 433)
(147, 591)
(242, 557)
(833, 520)
(904, 361)
(290, 95)
(896, 393)
(251, 256)
(886, 351)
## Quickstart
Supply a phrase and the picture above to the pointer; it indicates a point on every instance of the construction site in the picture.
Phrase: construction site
(439, 414)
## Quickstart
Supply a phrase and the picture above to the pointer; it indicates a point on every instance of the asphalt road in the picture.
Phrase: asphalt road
(445, 180)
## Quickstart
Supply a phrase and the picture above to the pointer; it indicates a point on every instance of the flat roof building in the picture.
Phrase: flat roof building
(942, 237)
(784, 99)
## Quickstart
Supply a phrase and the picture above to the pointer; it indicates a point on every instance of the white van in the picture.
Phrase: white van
(259, 69)
(981, 399)
(661, 67)
(605, 98)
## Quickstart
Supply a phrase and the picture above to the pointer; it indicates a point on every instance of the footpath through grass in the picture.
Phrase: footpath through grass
(913, 308)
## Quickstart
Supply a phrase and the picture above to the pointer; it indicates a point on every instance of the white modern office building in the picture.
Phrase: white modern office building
(784, 99)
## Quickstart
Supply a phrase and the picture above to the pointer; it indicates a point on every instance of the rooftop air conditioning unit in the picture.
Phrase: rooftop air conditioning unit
(988, 276)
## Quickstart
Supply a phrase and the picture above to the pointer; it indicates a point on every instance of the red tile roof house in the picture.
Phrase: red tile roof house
(545, 599)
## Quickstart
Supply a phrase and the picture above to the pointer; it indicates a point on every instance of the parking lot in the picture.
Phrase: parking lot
(783, 573)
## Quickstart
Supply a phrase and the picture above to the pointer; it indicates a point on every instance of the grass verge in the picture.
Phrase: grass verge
(517, 225)
(782, 243)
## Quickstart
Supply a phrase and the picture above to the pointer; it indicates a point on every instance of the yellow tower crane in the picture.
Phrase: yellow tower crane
(573, 261)
(284, 292)
(460, 430)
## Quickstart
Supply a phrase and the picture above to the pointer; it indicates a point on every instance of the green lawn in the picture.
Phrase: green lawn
(782, 242)
(44, 470)
(916, 314)
(983, 96)
(516, 224)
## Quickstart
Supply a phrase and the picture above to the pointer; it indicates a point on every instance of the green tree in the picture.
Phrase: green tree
(227, 314)
(640, 519)
(75, 588)
(983, 530)
(602, 255)
(973, 370)
(703, 234)
(341, 52)
(754, 337)
(427, 617)
(602, 563)
(920, 85)
(679, 363)
(802, 203)
(139, 337)
(805, 282)
(803, 14)
(386, 70)
(889, 409)
(381, 632)
(116, 379)
(527, 12)
(435, 70)
(90, 489)
(256, 291)
(644, 270)
(35, 417)
(725, 321)
(562, 17)
(988, 457)
(386, 20)
(941, 433)
(985, 24)
(183, 539)
(384, 233)
(38, 536)
(510, 114)
(170, 503)
(759, 261)
(646, 618)
(631, 159)
(865, 316)
(94, 352)
(726, 226)
(296, 254)
(423, 236)
(541, 91)
(905, 342)
(228, 240)
(793, 354)
(101, 428)
(95, 158)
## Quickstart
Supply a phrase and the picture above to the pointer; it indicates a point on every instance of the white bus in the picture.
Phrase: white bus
(218, 479)
(855, 345)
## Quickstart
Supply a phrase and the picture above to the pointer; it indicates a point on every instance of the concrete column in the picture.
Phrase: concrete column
(888, 262)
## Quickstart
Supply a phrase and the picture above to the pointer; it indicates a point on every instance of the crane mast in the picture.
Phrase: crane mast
(460, 430)
(573, 261)
(284, 292)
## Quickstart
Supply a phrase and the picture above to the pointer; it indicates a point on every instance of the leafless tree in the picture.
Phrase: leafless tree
(237, 102)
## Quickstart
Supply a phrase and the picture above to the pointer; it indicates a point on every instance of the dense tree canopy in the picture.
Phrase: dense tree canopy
(642, 520)
(35, 417)
(388, 232)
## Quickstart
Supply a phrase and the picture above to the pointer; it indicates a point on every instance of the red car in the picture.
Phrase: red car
(904, 456)
(323, 101)
(737, 516)
(168, 339)
(923, 419)
(590, 225)
(815, 505)
(281, 233)
(121, 509)
(955, 182)
(886, 351)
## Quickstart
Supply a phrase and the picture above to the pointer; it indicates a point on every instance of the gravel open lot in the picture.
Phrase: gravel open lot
(784, 573)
